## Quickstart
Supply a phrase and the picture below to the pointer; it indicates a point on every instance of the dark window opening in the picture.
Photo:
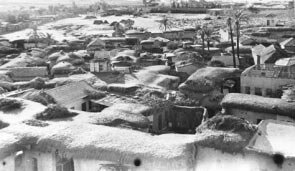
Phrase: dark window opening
(160, 122)
(258, 91)
(84, 106)
(269, 92)
(64, 164)
(247, 90)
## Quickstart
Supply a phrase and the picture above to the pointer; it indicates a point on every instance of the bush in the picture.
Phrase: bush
(9, 104)
(172, 45)
(39, 97)
(37, 83)
(36, 123)
(95, 94)
(228, 123)
(55, 112)
(215, 63)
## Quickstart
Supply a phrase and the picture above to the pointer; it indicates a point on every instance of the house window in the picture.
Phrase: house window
(84, 106)
(63, 163)
(263, 74)
(247, 90)
(100, 67)
(268, 92)
(258, 91)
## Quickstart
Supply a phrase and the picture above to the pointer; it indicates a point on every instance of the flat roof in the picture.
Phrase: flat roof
(274, 137)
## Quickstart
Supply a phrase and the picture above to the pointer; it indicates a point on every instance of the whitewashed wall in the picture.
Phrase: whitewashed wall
(209, 159)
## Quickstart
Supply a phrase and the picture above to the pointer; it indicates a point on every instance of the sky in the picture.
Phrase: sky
(108, 1)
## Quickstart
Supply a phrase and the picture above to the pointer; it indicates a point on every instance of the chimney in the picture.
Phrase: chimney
(258, 62)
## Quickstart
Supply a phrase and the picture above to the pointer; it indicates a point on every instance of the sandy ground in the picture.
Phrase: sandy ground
(80, 26)
(71, 28)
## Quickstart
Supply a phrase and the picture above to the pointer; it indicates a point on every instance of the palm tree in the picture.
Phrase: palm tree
(119, 30)
(49, 38)
(129, 24)
(201, 32)
(206, 35)
(36, 36)
(229, 24)
(165, 24)
(239, 17)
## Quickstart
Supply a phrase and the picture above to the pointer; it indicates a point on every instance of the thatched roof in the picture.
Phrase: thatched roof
(62, 66)
(163, 69)
(28, 110)
(104, 143)
(38, 96)
(255, 41)
(55, 56)
(69, 92)
(259, 104)
(23, 60)
(207, 79)
(226, 59)
(88, 77)
(7, 85)
(226, 133)
(29, 72)
(123, 115)
(64, 57)
(96, 44)
(8, 50)
(156, 80)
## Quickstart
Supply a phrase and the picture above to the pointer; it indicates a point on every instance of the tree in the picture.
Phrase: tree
(240, 17)
(254, 10)
(173, 4)
(216, 63)
(208, 35)
(36, 36)
(202, 34)
(229, 24)
(205, 32)
(49, 39)
(128, 24)
(119, 30)
(165, 24)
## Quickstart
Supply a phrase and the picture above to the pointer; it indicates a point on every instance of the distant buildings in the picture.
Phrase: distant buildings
(271, 20)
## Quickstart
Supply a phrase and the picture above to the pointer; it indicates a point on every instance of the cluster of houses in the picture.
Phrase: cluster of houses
(207, 114)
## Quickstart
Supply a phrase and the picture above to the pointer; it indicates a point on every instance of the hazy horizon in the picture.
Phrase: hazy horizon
(46, 2)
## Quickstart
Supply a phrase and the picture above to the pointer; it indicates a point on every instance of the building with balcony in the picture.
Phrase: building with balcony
(268, 79)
